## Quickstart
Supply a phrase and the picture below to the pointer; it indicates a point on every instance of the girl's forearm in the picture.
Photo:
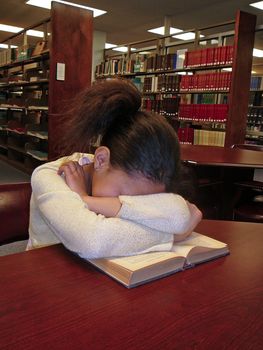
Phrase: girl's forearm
(107, 206)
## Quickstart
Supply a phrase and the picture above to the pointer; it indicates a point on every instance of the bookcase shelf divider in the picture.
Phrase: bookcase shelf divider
(241, 74)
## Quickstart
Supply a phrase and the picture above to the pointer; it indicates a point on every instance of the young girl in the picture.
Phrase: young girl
(123, 201)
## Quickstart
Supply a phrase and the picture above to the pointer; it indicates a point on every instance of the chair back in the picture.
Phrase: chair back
(14, 211)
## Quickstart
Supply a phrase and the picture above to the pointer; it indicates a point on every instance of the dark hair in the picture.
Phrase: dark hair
(139, 141)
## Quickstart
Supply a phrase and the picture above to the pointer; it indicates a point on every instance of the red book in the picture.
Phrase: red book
(203, 61)
(210, 56)
(186, 58)
(223, 55)
(218, 52)
(229, 54)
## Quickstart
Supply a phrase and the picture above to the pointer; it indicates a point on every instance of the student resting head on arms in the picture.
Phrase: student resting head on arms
(122, 200)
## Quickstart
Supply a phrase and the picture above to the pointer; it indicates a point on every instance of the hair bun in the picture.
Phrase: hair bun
(99, 108)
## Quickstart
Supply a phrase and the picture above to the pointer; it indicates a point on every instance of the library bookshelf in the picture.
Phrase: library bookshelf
(37, 80)
(254, 134)
(188, 82)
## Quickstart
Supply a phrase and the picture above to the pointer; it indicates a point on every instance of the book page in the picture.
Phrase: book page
(137, 262)
(198, 248)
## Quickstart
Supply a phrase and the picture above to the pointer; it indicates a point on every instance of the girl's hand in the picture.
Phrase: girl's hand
(195, 218)
(74, 176)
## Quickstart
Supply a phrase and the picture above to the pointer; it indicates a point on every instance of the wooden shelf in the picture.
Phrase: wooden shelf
(24, 83)
(43, 56)
(158, 72)
(66, 25)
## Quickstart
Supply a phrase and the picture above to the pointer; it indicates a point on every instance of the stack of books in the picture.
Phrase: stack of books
(206, 82)
(203, 112)
(212, 56)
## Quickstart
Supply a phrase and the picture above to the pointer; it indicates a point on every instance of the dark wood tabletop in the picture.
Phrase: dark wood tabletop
(221, 156)
(51, 299)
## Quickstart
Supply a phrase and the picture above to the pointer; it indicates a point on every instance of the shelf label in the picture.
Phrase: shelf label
(60, 71)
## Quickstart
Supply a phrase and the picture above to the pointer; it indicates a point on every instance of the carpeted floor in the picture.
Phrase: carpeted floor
(13, 248)
(9, 174)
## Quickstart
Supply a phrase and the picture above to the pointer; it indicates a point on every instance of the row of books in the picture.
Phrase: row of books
(139, 63)
(256, 83)
(203, 112)
(209, 137)
(188, 135)
(161, 83)
(21, 53)
(206, 81)
(167, 107)
(39, 102)
(183, 83)
(170, 61)
(203, 99)
(211, 56)
(180, 59)
(255, 116)
(255, 98)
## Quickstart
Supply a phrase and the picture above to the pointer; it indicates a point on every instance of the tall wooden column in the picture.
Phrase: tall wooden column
(241, 74)
(70, 63)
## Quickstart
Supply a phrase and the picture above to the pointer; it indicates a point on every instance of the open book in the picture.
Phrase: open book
(139, 269)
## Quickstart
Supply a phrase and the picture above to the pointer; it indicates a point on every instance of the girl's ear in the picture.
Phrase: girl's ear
(101, 158)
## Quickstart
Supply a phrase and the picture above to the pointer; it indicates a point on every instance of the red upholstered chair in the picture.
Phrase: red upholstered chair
(14, 211)
(249, 201)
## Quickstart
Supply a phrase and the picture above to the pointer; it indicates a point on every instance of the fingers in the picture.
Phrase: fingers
(70, 168)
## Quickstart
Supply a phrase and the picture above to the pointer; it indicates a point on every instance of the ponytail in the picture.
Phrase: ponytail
(96, 110)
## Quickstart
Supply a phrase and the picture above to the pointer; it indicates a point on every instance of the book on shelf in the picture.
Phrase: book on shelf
(180, 58)
(39, 48)
(135, 270)
(186, 135)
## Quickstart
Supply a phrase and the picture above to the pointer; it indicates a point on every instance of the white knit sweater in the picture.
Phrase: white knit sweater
(144, 224)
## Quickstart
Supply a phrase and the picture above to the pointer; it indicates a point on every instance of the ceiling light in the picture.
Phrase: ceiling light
(186, 36)
(185, 73)
(109, 46)
(123, 49)
(214, 41)
(144, 53)
(228, 69)
(257, 53)
(5, 46)
(10, 29)
(13, 29)
(258, 5)
(46, 4)
(36, 33)
(160, 30)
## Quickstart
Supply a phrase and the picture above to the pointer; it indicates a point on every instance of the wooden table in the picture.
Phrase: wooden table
(221, 156)
(215, 171)
(51, 299)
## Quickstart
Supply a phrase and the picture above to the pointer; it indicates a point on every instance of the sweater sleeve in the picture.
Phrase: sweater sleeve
(166, 212)
(81, 230)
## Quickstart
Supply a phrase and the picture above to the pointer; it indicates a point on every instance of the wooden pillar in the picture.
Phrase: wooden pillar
(241, 73)
(70, 63)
